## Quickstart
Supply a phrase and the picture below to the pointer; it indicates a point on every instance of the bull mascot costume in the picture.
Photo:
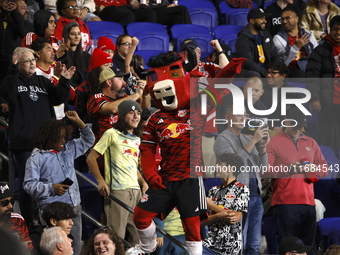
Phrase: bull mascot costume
(177, 129)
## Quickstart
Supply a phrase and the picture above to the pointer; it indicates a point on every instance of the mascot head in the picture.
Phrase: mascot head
(168, 82)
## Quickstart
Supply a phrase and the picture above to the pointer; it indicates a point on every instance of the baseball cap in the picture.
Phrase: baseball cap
(295, 114)
(109, 73)
(126, 106)
(5, 190)
(257, 13)
(99, 58)
(189, 42)
(293, 243)
(105, 43)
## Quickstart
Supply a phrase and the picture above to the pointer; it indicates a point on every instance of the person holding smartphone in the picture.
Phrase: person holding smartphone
(52, 162)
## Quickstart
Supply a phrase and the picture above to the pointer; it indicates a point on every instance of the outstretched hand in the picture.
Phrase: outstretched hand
(68, 73)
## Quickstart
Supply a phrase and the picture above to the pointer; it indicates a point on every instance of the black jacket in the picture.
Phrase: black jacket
(31, 102)
(246, 47)
(321, 65)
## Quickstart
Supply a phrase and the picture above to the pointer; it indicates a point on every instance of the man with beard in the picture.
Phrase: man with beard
(10, 220)
(255, 44)
(104, 106)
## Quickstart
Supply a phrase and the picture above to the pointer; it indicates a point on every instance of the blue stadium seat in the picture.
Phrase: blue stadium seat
(202, 40)
(225, 10)
(202, 13)
(237, 17)
(180, 29)
(230, 40)
(222, 30)
(152, 41)
(146, 54)
(105, 28)
(326, 227)
(137, 27)
(332, 160)
(271, 233)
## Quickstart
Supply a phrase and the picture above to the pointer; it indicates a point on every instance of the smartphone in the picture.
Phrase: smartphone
(67, 181)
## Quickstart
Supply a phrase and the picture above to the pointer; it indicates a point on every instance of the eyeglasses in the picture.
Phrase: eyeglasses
(6, 202)
(32, 61)
(72, 7)
(273, 72)
(125, 44)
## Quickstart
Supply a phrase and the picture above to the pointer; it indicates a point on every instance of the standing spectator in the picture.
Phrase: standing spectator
(52, 164)
(104, 239)
(227, 202)
(54, 241)
(323, 63)
(294, 44)
(14, 17)
(255, 44)
(44, 26)
(124, 11)
(122, 178)
(275, 10)
(75, 56)
(232, 140)
(31, 99)
(12, 221)
(317, 16)
(69, 11)
(293, 189)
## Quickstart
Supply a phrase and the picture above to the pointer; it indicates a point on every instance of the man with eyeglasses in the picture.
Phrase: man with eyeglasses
(294, 44)
(232, 140)
(323, 72)
(293, 245)
(10, 220)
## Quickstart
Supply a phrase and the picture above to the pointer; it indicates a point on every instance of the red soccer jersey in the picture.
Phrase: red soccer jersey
(19, 227)
(93, 110)
(30, 37)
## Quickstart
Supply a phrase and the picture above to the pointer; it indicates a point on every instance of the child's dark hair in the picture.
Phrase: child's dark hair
(122, 127)
(58, 211)
(49, 134)
(231, 159)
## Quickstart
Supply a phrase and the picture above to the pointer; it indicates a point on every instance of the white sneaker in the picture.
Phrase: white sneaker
(136, 250)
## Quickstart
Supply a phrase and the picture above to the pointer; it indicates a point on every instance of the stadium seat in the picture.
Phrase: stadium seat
(202, 40)
(230, 40)
(152, 41)
(237, 17)
(137, 27)
(222, 30)
(202, 13)
(180, 29)
(146, 54)
(105, 28)
(271, 233)
(327, 226)
(331, 159)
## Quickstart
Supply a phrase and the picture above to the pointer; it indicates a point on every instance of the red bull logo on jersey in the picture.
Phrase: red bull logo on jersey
(174, 130)
(130, 151)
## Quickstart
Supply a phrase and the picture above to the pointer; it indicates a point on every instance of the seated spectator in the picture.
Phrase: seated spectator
(294, 44)
(293, 245)
(10, 244)
(334, 249)
(54, 241)
(317, 16)
(86, 9)
(256, 45)
(167, 14)
(14, 17)
(227, 203)
(124, 11)
(31, 98)
(123, 43)
(11, 221)
(275, 9)
(120, 145)
(105, 44)
(52, 161)
(104, 240)
(75, 56)
(214, 56)
(69, 11)
(323, 70)
(44, 26)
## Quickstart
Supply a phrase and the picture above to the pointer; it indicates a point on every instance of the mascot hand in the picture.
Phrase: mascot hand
(155, 182)
(234, 67)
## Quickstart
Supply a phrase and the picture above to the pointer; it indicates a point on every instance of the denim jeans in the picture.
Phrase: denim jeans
(252, 227)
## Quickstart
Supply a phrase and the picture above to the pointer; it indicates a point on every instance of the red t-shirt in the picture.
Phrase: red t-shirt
(111, 2)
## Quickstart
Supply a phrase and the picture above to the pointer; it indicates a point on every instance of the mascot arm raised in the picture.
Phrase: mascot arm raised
(149, 166)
